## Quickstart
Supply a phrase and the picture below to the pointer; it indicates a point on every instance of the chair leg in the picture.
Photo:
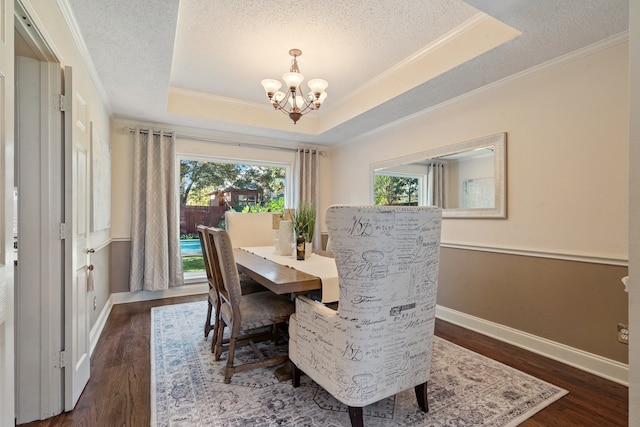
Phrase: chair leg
(216, 345)
(275, 333)
(296, 373)
(216, 332)
(421, 396)
(207, 324)
(229, 371)
(355, 415)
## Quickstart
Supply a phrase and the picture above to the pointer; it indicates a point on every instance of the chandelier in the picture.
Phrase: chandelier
(293, 103)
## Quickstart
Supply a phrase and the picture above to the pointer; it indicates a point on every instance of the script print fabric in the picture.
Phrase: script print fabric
(379, 341)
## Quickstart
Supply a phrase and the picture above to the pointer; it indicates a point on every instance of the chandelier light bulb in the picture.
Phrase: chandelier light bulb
(293, 103)
(292, 79)
(271, 86)
(317, 86)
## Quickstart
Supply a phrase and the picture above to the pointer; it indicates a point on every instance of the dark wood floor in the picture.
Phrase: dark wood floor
(118, 393)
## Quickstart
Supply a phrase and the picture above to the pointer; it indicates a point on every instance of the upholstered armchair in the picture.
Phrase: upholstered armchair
(379, 340)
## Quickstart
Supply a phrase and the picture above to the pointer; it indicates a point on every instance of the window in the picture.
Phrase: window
(209, 187)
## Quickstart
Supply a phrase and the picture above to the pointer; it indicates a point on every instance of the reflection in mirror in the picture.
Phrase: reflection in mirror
(467, 180)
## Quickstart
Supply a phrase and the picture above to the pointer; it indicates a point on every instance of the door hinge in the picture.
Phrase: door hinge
(64, 231)
(62, 359)
(63, 103)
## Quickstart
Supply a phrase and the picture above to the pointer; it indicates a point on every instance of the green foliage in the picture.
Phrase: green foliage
(276, 205)
(192, 263)
(395, 190)
(189, 236)
(305, 221)
(273, 205)
(198, 179)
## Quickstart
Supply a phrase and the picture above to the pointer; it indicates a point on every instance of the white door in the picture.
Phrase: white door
(77, 357)
(38, 275)
(7, 406)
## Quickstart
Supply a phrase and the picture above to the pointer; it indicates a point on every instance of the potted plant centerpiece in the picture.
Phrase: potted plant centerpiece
(305, 224)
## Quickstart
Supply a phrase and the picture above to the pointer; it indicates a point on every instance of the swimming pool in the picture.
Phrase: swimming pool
(190, 247)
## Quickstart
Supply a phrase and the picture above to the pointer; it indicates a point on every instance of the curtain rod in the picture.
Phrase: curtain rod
(218, 141)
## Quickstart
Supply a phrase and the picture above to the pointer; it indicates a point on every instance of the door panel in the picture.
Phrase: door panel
(38, 280)
(7, 406)
(77, 315)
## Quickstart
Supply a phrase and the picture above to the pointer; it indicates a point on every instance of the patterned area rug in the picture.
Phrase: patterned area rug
(187, 387)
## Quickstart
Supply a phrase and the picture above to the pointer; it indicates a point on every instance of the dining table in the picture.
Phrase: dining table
(284, 274)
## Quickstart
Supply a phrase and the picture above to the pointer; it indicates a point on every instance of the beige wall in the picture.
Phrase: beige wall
(567, 150)
(567, 131)
(578, 304)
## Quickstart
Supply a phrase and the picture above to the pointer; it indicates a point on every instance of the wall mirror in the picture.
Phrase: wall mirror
(468, 179)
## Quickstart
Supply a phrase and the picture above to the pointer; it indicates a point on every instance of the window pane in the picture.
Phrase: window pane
(209, 188)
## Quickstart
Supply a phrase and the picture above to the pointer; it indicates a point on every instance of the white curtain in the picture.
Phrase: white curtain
(156, 262)
(306, 185)
(435, 184)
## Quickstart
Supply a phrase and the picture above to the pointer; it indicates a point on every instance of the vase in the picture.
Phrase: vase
(285, 240)
(308, 249)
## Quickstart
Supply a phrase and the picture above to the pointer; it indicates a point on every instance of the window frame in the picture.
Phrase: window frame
(200, 276)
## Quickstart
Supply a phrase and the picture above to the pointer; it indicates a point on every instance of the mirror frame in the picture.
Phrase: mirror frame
(499, 141)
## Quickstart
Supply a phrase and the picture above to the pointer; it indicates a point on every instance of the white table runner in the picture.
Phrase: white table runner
(316, 265)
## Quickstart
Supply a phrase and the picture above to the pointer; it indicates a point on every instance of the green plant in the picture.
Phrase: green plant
(276, 205)
(189, 236)
(305, 220)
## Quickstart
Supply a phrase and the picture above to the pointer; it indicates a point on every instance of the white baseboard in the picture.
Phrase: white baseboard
(126, 297)
(101, 321)
(589, 362)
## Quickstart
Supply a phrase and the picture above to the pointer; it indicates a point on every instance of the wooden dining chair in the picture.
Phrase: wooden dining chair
(212, 299)
(214, 278)
(245, 313)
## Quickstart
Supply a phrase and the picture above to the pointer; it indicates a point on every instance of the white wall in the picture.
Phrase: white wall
(567, 150)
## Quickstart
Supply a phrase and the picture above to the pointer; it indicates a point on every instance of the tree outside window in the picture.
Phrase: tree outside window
(395, 190)
(210, 188)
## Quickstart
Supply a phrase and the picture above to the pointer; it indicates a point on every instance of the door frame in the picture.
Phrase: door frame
(56, 220)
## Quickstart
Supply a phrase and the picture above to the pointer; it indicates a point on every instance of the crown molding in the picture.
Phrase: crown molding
(545, 66)
(72, 24)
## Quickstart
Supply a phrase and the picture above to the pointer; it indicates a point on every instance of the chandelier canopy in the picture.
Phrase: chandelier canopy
(293, 103)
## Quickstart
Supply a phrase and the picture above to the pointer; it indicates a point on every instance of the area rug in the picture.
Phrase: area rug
(187, 387)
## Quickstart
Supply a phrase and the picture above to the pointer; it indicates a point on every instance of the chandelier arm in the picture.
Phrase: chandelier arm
(308, 106)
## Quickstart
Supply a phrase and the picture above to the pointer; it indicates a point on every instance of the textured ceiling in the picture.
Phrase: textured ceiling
(214, 54)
